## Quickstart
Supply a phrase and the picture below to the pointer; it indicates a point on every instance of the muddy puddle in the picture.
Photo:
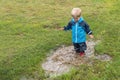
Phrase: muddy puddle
(64, 58)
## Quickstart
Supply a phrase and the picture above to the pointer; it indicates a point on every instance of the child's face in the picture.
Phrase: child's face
(76, 18)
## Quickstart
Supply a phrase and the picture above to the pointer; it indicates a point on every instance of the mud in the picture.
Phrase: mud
(64, 58)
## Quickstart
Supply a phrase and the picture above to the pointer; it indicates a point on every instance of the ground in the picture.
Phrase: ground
(62, 60)
(29, 31)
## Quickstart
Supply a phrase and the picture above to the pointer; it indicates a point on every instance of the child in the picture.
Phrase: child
(79, 30)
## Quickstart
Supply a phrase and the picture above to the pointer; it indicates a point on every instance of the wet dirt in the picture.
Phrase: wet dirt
(64, 58)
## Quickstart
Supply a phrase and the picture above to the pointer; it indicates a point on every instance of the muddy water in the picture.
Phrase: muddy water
(65, 58)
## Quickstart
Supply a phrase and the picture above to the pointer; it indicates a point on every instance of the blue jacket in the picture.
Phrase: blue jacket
(79, 30)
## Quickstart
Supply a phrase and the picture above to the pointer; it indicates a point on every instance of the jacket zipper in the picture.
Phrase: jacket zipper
(76, 33)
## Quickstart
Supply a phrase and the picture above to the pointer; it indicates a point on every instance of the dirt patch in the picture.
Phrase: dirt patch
(103, 57)
(65, 58)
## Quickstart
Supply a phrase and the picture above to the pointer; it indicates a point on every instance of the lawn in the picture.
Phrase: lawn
(28, 32)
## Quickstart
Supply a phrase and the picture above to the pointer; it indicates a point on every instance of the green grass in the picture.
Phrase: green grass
(25, 43)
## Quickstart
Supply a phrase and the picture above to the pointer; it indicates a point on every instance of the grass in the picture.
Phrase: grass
(27, 35)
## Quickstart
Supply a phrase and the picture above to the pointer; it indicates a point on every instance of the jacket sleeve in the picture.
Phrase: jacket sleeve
(87, 28)
(68, 27)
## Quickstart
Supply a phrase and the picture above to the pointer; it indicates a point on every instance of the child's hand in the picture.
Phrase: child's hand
(61, 28)
(91, 36)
